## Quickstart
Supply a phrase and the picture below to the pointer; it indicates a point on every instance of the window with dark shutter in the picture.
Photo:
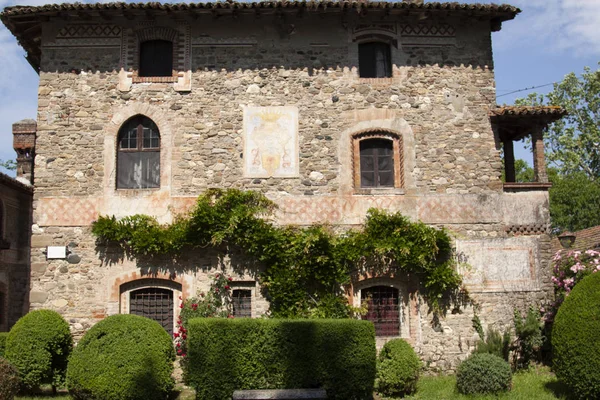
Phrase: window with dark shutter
(383, 309)
(138, 155)
(242, 303)
(156, 58)
(376, 163)
(374, 60)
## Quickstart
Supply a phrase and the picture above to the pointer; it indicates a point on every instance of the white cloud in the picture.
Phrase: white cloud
(569, 27)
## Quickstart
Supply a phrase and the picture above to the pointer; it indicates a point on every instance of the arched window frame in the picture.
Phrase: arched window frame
(140, 122)
(127, 288)
(398, 157)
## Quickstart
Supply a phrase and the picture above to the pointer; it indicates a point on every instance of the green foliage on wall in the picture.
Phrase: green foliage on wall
(305, 267)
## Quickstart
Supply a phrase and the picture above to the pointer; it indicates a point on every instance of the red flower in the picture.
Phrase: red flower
(181, 305)
(183, 355)
(230, 279)
(176, 334)
(218, 276)
(230, 316)
(227, 287)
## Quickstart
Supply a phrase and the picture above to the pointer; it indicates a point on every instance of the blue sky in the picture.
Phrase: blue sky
(549, 39)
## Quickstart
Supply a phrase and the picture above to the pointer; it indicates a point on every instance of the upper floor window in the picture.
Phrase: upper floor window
(156, 58)
(374, 60)
(378, 160)
(138, 155)
(376, 163)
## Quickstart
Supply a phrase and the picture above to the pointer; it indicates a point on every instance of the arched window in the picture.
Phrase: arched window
(378, 160)
(151, 298)
(156, 58)
(374, 60)
(376, 163)
(138, 155)
(383, 309)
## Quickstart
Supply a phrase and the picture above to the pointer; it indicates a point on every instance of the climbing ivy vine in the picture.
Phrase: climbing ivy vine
(306, 268)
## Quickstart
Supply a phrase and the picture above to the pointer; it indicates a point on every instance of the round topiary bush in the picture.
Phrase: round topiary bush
(38, 345)
(575, 341)
(483, 373)
(9, 380)
(398, 369)
(123, 357)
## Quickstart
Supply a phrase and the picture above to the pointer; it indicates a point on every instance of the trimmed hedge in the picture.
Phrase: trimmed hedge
(122, 357)
(38, 345)
(483, 373)
(575, 343)
(3, 336)
(398, 369)
(229, 354)
(9, 380)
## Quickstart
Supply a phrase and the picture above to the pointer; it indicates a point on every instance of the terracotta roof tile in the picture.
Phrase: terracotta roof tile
(556, 111)
(585, 239)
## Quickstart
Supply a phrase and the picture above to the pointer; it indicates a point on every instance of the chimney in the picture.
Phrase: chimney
(24, 144)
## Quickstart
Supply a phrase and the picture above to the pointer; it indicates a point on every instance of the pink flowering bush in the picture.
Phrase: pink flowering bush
(570, 267)
(215, 303)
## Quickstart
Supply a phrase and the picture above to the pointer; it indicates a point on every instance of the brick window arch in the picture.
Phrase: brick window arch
(378, 160)
(383, 305)
(138, 154)
(152, 298)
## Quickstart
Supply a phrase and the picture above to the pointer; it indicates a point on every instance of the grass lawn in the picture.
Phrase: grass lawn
(534, 384)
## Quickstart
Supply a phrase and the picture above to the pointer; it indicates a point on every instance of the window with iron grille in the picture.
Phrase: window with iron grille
(376, 163)
(153, 303)
(383, 309)
(242, 303)
(156, 58)
(138, 155)
(374, 60)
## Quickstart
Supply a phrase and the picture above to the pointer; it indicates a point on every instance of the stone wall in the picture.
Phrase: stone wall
(435, 105)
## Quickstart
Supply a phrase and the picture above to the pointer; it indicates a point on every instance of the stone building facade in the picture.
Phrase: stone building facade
(329, 108)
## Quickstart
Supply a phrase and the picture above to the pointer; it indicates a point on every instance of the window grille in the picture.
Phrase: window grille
(374, 60)
(153, 303)
(242, 303)
(383, 309)
(138, 155)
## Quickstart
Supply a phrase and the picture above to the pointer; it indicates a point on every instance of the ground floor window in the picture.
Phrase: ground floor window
(383, 309)
(153, 303)
(242, 303)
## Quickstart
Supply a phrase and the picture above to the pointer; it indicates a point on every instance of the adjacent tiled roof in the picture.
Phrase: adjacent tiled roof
(585, 239)
(551, 111)
(6, 180)
(503, 11)
(25, 22)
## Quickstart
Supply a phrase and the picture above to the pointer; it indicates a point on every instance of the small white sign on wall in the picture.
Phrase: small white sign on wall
(56, 252)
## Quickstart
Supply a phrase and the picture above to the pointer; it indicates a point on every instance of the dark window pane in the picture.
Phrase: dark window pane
(376, 163)
(383, 309)
(374, 60)
(150, 138)
(156, 58)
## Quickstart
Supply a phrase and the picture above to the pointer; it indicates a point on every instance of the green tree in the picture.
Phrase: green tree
(10, 165)
(573, 143)
(574, 202)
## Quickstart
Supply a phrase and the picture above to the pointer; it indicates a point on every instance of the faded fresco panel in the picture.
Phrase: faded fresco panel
(271, 142)
(498, 265)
